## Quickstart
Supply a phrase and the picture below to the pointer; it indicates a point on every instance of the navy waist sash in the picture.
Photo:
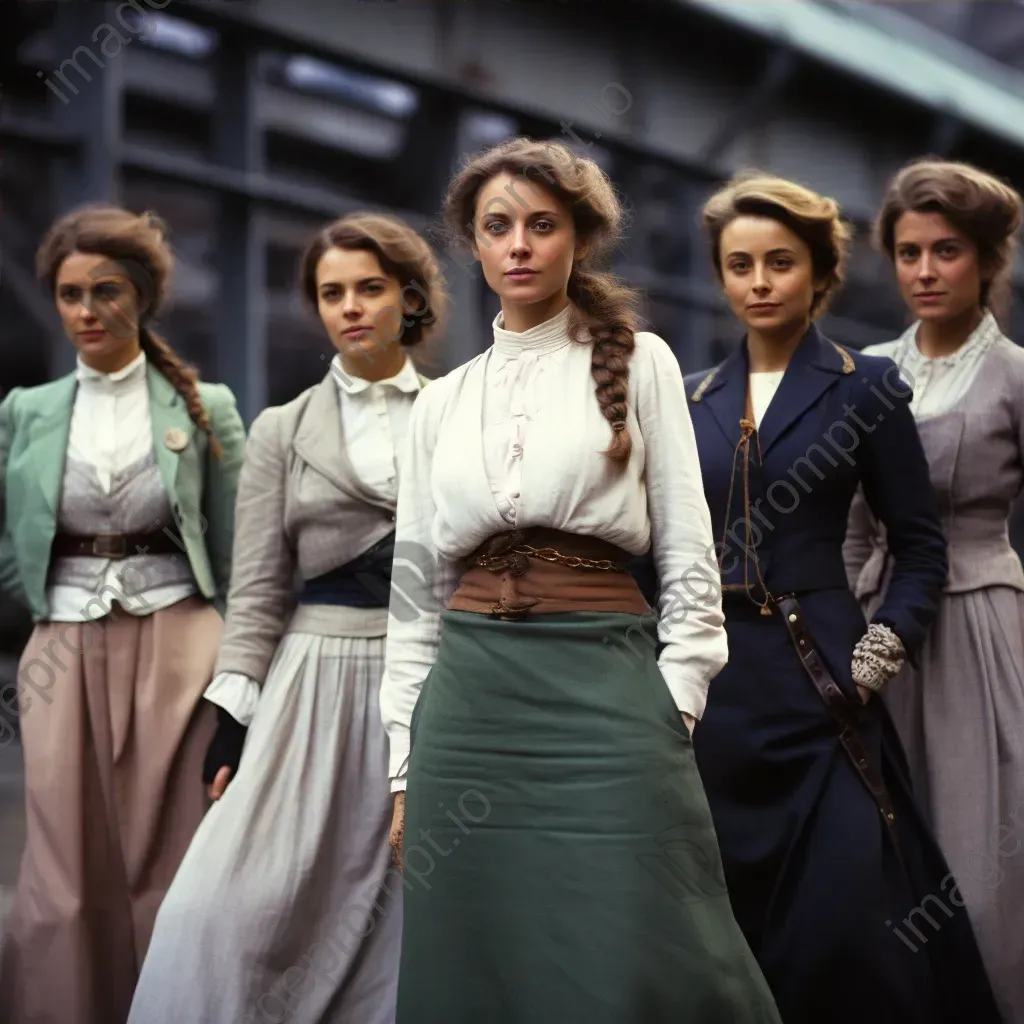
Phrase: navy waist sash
(364, 582)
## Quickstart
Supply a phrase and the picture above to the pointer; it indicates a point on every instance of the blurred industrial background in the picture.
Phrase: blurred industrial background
(247, 125)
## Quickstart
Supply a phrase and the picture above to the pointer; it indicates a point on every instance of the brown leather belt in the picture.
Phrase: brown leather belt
(843, 712)
(541, 571)
(117, 545)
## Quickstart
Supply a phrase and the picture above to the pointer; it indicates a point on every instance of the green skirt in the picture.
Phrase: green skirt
(560, 861)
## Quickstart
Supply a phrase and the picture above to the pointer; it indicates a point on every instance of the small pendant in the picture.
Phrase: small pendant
(765, 610)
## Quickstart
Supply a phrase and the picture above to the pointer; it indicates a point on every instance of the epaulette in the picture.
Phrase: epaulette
(848, 366)
(703, 386)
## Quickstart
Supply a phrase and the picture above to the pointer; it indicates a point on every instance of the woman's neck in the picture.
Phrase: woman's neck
(375, 366)
(517, 317)
(111, 362)
(769, 352)
(943, 337)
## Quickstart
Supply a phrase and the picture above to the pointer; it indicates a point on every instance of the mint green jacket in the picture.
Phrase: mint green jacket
(34, 427)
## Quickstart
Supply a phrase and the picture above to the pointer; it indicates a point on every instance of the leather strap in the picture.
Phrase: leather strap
(842, 710)
(116, 545)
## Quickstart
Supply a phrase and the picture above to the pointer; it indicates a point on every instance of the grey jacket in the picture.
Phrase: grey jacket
(976, 455)
(301, 511)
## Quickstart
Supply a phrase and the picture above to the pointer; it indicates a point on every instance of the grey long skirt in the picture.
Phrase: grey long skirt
(961, 719)
(277, 912)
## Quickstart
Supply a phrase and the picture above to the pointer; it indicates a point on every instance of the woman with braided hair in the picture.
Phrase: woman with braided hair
(558, 854)
(119, 484)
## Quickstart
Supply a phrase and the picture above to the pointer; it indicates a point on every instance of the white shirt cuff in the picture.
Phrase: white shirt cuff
(398, 763)
(236, 693)
(690, 694)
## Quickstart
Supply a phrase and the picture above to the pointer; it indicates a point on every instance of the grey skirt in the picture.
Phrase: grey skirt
(960, 716)
(277, 912)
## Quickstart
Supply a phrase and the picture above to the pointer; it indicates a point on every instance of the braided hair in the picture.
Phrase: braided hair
(137, 244)
(603, 309)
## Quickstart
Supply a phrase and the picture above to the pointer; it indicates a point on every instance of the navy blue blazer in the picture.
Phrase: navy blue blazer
(839, 419)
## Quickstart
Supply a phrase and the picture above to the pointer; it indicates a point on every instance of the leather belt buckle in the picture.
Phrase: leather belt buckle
(109, 545)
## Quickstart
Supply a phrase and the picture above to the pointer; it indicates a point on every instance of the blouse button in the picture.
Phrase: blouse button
(517, 449)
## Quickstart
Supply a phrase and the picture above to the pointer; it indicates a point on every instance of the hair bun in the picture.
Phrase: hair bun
(156, 222)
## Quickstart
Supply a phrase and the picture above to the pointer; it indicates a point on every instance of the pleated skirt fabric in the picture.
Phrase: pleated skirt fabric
(114, 731)
(561, 866)
(960, 716)
(285, 907)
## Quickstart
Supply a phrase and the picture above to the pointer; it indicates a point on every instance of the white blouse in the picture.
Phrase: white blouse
(939, 382)
(763, 386)
(374, 423)
(514, 437)
(110, 430)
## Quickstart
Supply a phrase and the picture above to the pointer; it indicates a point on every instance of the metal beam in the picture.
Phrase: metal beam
(780, 66)
(240, 344)
(947, 131)
(86, 104)
(30, 296)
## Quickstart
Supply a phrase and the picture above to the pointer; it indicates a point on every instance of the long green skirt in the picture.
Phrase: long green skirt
(561, 866)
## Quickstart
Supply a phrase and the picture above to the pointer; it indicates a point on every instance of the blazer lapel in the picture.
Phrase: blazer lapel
(319, 442)
(49, 442)
(725, 394)
(812, 370)
(173, 429)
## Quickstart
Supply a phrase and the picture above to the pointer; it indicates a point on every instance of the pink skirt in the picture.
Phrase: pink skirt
(114, 732)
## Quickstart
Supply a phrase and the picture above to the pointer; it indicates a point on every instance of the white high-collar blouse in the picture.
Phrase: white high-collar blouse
(939, 382)
(514, 438)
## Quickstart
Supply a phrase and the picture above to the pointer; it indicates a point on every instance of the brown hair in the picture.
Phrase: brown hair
(603, 309)
(402, 254)
(813, 218)
(138, 244)
(985, 209)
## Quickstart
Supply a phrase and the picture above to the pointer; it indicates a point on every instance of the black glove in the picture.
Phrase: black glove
(226, 746)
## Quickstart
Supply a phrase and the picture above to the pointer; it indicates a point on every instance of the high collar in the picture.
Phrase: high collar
(977, 343)
(133, 373)
(406, 379)
(541, 340)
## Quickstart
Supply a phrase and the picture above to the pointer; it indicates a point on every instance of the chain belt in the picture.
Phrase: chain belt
(516, 557)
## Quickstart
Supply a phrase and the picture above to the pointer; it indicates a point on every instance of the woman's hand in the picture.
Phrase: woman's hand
(397, 837)
(224, 754)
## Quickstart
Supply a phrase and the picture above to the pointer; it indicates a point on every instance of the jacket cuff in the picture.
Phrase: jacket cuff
(910, 632)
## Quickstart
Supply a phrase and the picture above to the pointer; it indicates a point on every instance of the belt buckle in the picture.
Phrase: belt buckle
(116, 548)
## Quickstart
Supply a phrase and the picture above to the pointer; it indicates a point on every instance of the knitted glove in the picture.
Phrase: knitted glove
(878, 656)
(225, 747)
